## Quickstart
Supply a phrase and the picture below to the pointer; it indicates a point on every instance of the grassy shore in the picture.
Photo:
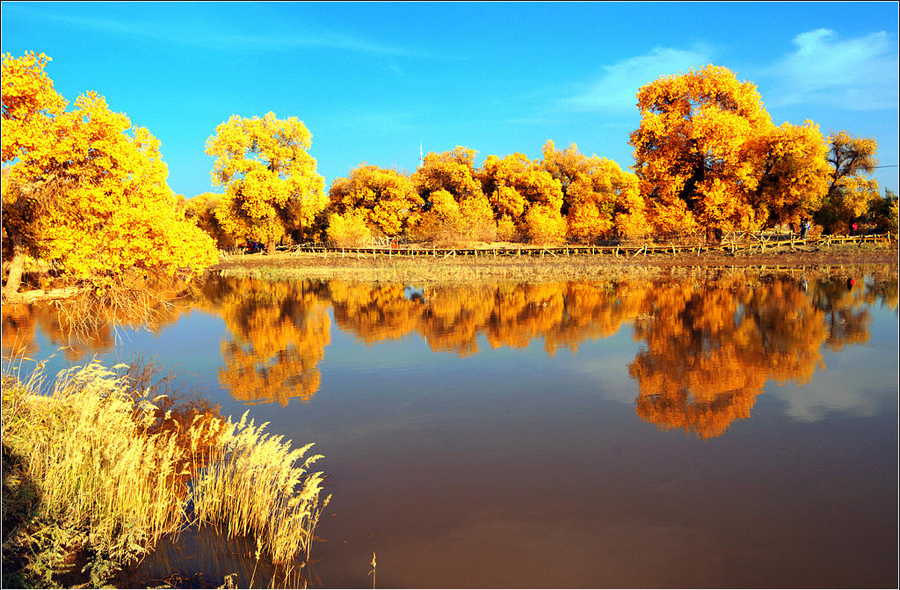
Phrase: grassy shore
(469, 270)
(95, 473)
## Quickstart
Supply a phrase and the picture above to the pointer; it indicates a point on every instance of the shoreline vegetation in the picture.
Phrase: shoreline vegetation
(480, 264)
(97, 469)
(332, 264)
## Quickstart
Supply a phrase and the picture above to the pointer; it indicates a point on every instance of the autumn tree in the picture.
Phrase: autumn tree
(30, 104)
(270, 180)
(525, 197)
(454, 205)
(793, 176)
(566, 166)
(883, 212)
(201, 210)
(84, 189)
(606, 202)
(384, 199)
(849, 192)
(693, 153)
(349, 229)
(599, 198)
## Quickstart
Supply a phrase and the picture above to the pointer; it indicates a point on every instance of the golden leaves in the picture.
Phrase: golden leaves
(455, 206)
(271, 183)
(87, 189)
(29, 103)
(691, 149)
(849, 192)
(383, 198)
(793, 182)
(526, 194)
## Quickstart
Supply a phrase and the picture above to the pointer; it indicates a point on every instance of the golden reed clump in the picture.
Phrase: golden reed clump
(254, 484)
(116, 472)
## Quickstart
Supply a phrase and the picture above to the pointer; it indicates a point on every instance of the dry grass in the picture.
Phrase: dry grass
(96, 472)
(107, 474)
(476, 270)
(253, 484)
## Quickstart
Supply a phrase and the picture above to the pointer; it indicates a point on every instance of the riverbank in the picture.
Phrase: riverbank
(398, 268)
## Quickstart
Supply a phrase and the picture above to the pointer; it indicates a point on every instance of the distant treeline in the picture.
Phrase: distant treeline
(707, 159)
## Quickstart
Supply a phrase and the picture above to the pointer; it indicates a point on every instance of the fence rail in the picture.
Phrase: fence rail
(762, 245)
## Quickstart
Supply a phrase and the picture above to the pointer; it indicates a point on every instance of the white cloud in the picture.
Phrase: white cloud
(838, 390)
(856, 74)
(616, 91)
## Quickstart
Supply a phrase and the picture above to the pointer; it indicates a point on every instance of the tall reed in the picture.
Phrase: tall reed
(114, 481)
(255, 485)
(83, 445)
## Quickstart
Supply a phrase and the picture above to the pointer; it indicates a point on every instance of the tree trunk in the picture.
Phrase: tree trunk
(270, 246)
(16, 267)
(42, 295)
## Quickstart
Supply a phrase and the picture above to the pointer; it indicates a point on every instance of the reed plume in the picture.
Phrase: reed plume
(115, 472)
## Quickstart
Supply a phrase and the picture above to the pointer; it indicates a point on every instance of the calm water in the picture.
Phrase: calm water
(740, 432)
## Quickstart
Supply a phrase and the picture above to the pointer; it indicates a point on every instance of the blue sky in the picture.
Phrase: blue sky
(372, 81)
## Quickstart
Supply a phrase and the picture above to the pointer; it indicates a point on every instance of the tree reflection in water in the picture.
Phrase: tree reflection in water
(279, 332)
(87, 325)
(707, 346)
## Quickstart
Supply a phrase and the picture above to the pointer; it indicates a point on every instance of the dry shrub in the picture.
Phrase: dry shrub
(98, 473)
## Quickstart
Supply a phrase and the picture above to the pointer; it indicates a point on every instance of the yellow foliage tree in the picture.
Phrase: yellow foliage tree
(30, 104)
(794, 174)
(605, 201)
(85, 190)
(454, 205)
(201, 210)
(566, 166)
(849, 192)
(694, 151)
(271, 184)
(599, 199)
(515, 186)
(348, 229)
(385, 197)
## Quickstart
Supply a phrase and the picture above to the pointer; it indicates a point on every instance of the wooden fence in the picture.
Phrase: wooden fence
(761, 245)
